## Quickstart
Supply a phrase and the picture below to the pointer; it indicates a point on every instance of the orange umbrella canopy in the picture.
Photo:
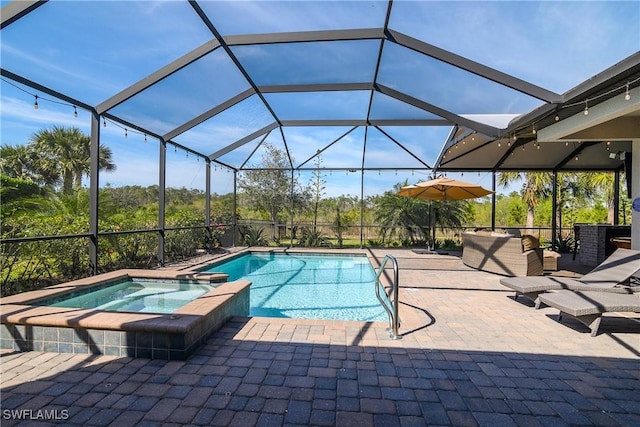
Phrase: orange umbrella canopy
(444, 189)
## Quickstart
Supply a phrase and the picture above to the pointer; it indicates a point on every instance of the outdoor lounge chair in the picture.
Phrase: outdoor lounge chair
(610, 276)
(589, 306)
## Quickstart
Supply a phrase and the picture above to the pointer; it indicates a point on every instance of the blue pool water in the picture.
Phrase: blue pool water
(307, 286)
(138, 295)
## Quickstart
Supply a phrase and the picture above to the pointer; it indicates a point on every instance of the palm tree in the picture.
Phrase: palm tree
(20, 162)
(395, 212)
(604, 182)
(536, 187)
(65, 153)
(572, 186)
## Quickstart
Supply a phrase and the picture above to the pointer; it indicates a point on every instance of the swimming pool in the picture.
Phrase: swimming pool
(137, 295)
(307, 286)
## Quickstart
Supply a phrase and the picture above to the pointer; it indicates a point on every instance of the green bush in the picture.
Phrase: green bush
(313, 238)
(448, 244)
(253, 236)
(565, 244)
(375, 243)
(137, 250)
(33, 265)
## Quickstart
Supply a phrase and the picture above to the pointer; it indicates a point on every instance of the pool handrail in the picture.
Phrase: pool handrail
(392, 312)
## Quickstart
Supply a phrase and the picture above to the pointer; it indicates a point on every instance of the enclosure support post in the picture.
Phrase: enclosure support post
(207, 204)
(362, 208)
(554, 209)
(364, 153)
(616, 197)
(635, 192)
(291, 209)
(162, 181)
(493, 200)
(235, 203)
(94, 183)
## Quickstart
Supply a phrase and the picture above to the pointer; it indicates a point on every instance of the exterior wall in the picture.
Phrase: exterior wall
(635, 190)
(592, 248)
(594, 241)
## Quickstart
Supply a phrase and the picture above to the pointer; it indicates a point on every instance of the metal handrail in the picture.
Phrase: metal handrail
(392, 312)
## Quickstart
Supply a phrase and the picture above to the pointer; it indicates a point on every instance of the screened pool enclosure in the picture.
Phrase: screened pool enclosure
(363, 94)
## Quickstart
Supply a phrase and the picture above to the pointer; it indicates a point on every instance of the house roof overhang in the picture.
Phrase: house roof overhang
(560, 137)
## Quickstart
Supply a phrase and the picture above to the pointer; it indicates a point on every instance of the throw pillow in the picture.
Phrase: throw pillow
(529, 242)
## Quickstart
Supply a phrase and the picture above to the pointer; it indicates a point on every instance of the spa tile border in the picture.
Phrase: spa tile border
(27, 327)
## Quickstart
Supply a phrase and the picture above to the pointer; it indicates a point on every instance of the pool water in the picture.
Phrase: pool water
(307, 286)
(137, 295)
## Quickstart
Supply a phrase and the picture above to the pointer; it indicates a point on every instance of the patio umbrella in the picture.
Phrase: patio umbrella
(443, 189)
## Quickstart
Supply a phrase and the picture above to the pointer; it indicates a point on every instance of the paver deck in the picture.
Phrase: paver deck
(469, 356)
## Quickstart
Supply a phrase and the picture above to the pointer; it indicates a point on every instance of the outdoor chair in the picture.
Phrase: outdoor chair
(589, 306)
(502, 253)
(612, 276)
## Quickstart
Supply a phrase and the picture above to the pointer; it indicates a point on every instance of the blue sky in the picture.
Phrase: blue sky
(93, 50)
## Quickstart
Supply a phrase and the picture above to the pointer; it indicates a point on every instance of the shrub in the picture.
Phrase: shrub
(313, 238)
(252, 236)
(449, 244)
(375, 243)
(565, 244)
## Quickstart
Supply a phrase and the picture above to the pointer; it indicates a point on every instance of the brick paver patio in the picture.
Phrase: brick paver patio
(470, 355)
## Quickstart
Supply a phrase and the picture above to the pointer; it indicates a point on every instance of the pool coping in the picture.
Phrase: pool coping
(375, 262)
(185, 327)
(195, 269)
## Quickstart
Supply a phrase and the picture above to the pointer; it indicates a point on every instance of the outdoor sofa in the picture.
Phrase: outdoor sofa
(612, 276)
(501, 253)
(589, 306)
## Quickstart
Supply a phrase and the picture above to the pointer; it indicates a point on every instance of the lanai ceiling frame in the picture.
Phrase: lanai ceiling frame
(383, 34)
(386, 34)
(14, 11)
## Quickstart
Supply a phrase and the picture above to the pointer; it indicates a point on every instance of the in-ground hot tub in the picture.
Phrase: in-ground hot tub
(147, 318)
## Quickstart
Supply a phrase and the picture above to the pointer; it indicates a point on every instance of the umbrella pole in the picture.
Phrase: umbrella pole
(433, 228)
